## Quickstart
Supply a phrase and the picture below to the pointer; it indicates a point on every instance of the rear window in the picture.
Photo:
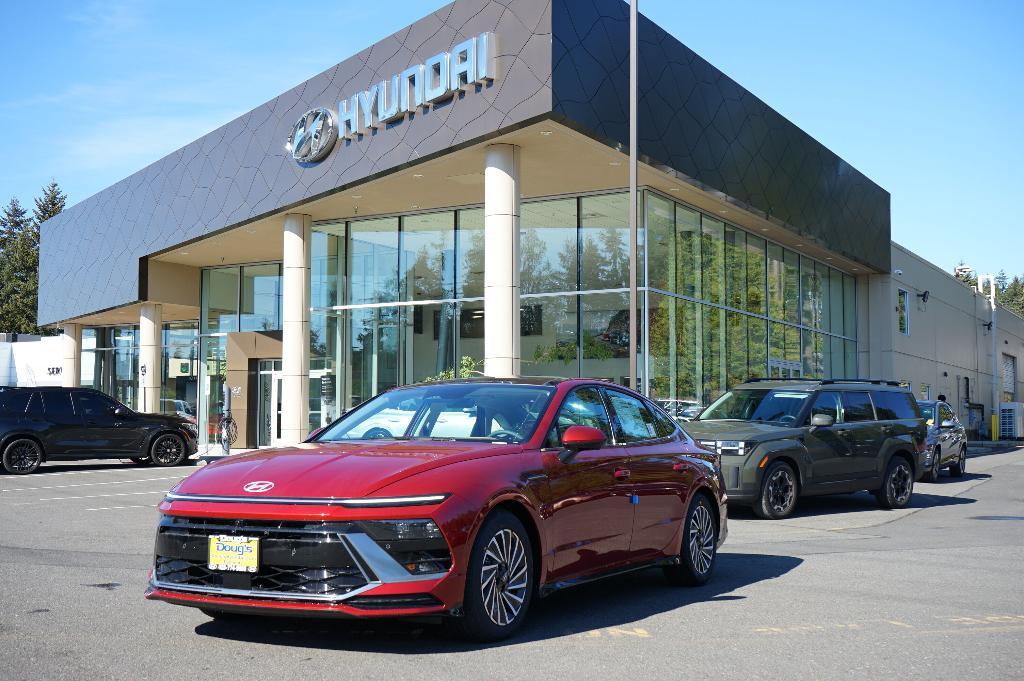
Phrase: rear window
(14, 401)
(857, 407)
(893, 405)
(58, 404)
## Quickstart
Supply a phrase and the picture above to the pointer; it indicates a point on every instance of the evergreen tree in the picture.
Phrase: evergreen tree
(19, 260)
(49, 204)
(13, 219)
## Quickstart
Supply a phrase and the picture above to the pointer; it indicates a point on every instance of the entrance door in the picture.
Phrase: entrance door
(268, 424)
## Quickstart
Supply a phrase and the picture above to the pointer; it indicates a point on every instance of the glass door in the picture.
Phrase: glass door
(268, 423)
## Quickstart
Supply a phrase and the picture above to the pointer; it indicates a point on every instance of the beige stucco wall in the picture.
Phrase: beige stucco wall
(947, 341)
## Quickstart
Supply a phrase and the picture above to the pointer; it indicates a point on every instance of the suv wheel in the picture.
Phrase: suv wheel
(778, 492)
(700, 541)
(959, 469)
(167, 450)
(22, 456)
(933, 473)
(897, 484)
(499, 584)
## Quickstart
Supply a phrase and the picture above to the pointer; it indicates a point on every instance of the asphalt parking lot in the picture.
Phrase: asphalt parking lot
(841, 590)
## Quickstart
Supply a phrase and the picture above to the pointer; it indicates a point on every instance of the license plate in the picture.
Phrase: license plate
(237, 554)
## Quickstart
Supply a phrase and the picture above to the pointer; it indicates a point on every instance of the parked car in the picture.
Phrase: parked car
(465, 499)
(783, 439)
(947, 440)
(60, 424)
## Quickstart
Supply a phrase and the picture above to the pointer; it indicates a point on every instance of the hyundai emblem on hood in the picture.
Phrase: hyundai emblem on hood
(258, 486)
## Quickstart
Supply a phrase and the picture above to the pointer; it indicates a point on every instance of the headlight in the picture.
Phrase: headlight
(401, 529)
(191, 427)
(728, 447)
(417, 545)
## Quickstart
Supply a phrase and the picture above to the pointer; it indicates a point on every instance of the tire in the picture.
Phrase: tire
(699, 549)
(168, 449)
(22, 456)
(501, 570)
(897, 484)
(141, 460)
(958, 469)
(779, 491)
(933, 473)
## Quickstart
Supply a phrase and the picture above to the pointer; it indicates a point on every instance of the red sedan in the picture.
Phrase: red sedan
(464, 498)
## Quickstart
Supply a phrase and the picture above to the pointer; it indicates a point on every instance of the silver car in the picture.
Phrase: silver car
(947, 440)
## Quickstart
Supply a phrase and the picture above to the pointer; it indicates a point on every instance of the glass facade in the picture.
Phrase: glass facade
(400, 299)
(179, 387)
(110, 361)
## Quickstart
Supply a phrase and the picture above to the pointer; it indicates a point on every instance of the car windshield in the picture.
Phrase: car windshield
(776, 406)
(927, 412)
(454, 411)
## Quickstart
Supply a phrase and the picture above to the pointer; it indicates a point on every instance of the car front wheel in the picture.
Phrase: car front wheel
(167, 450)
(778, 492)
(700, 542)
(897, 484)
(933, 473)
(499, 584)
(959, 468)
(22, 456)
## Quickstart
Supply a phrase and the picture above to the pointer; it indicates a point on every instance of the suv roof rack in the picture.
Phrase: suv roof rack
(827, 381)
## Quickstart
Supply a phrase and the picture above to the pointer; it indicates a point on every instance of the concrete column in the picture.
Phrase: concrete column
(501, 261)
(295, 329)
(151, 322)
(71, 355)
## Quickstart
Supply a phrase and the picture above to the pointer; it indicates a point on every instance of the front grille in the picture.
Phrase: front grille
(270, 578)
(394, 602)
(301, 559)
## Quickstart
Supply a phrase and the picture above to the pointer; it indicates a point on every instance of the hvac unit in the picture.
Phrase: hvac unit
(1011, 420)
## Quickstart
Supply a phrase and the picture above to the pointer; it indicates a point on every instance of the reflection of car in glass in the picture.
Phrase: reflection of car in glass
(783, 439)
(179, 407)
(54, 424)
(463, 499)
(947, 440)
(680, 410)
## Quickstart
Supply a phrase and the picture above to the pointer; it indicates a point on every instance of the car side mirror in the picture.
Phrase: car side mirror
(120, 412)
(948, 423)
(577, 438)
(316, 431)
(822, 421)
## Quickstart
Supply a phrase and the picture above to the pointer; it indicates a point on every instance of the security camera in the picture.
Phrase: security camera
(924, 296)
(898, 273)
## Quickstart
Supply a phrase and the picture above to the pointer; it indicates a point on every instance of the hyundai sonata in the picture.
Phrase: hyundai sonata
(462, 499)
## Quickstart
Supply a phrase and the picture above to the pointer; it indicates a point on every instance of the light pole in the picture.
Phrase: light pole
(633, 208)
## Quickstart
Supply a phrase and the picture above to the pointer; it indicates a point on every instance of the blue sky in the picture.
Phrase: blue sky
(924, 97)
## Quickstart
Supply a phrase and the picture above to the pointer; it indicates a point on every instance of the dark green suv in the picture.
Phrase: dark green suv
(782, 439)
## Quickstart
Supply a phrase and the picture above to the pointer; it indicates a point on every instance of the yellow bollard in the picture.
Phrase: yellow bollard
(995, 427)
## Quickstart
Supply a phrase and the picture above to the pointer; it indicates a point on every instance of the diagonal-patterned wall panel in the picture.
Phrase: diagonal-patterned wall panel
(90, 254)
(701, 124)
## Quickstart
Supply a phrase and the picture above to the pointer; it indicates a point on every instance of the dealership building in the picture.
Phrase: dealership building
(458, 190)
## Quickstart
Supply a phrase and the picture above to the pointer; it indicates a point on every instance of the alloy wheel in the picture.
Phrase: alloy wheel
(780, 490)
(963, 461)
(504, 577)
(167, 449)
(23, 456)
(702, 539)
(900, 484)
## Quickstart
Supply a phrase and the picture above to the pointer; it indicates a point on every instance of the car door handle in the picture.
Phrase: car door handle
(621, 473)
(886, 429)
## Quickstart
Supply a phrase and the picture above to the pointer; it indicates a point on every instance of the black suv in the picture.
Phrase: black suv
(49, 424)
(782, 439)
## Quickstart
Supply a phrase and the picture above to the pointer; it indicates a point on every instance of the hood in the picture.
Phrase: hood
(166, 419)
(333, 469)
(729, 429)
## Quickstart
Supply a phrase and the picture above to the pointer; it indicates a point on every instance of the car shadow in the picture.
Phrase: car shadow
(615, 604)
(858, 502)
(88, 465)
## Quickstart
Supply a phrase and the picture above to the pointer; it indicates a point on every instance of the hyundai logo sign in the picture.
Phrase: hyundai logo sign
(313, 136)
(469, 63)
(258, 486)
